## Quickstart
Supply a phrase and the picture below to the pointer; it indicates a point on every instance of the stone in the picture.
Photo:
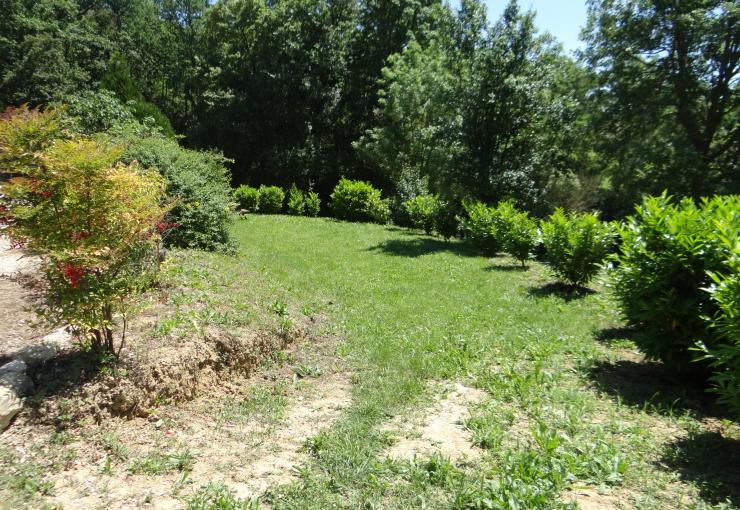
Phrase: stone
(59, 339)
(36, 355)
(10, 405)
(13, 376)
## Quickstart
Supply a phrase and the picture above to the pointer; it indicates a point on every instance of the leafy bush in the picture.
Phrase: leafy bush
(518, 232)
(271, 199)
(95, 223)
(423, 211)
(197, 182)
(296, 201)
(724, 358)
(576, 245)
(446, 222)
(313, 204)
(669, 250)
(481, 226)
(359, 201)
(96, 111)
(247, 197)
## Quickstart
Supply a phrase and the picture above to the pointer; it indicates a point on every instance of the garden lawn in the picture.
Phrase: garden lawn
(571, 413)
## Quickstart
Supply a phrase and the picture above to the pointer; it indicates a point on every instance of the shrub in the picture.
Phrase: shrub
(423, 211)
(296, 201)
(518, 232)
(313, 204)
(271, 199)
(247, 197)
(481, 227)
(668, 252)
(576, 245)
(359, 201)
(446, 222)
(724, 358)
(94, 223)
(97, 111)
(198, 184)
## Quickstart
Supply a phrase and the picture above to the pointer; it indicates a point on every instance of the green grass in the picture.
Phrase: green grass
(413, 309)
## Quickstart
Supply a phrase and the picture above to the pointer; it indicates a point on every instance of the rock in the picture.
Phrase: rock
(10, 405)
(13, 376)
(59, 339)
(36, 355)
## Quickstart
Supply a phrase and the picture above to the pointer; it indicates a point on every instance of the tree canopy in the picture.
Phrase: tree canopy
(412, 95)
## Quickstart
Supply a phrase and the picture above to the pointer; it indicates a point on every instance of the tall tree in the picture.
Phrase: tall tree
(668, 74)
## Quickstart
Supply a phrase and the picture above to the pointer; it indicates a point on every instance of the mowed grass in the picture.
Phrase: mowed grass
(571, 414)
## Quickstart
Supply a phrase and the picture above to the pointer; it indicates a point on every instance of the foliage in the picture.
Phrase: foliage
(424, 211)
(271, 199)
(576, 245)
(447, 222)
(96, 112)
(669, 249)
(482, 227)
(518, 232)
(198, 184)
(296, 201)
(678, 61)
(313, 204)
(414, 141)
(95, 223)
(216, 496)
(247, 197)
(724, 358)
(359, 201)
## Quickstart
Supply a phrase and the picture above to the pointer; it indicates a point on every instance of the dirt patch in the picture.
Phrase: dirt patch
(441, 431)
(248, 448)
(591, 499)
(17, 296)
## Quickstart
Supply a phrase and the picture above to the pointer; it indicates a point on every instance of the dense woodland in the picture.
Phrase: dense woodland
(411, 95)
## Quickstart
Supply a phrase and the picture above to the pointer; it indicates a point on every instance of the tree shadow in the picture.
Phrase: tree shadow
(562, 290)
(609, 336)
(652, 387)
(419, 246)
(709, 460)
(65, 374)
(507, 268)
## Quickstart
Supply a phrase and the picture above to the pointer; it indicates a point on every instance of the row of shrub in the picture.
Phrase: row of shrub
(271, 199)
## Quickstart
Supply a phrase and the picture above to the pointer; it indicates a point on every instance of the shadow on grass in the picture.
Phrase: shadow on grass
(709, 460)
(561, 290)
(653, 388)
(507, 267)
(418, 246)
(610, 336)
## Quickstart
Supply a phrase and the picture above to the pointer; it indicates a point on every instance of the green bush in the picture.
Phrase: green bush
(668, 252)
(423, 211)
(518, 232)
(248, 198)
(447, 222)
(313, 204)
(271, 199)
(576, 245)
(724, 358)
(96, 112)
(296, 201)
(481, 226)
(198, 184)
(359, 201)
